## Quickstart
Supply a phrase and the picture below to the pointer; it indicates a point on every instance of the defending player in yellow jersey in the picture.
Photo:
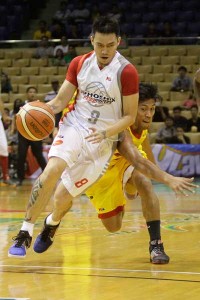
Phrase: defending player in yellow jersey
(121, 181)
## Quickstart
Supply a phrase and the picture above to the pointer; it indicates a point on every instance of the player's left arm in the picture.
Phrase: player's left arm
(150, 170)
(146, 147)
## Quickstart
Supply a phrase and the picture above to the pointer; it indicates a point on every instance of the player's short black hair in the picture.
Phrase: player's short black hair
(106, 25)
(148, 91)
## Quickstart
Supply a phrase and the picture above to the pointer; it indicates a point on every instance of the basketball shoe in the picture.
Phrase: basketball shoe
(157, 253)
(22, 241)
(45, 239)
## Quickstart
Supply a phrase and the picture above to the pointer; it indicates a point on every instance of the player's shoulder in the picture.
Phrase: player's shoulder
(130, 69)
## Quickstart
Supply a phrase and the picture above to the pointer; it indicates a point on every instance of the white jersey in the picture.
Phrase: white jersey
(99, 101)
(98, 104)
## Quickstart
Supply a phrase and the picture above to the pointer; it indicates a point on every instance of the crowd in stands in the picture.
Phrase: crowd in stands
(157, 22)
(73, 20)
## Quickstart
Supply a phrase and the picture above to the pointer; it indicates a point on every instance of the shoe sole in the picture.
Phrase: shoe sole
(17, 256)
(159, 262)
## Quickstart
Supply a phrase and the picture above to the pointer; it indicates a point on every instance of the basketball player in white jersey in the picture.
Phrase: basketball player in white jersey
(106, 104)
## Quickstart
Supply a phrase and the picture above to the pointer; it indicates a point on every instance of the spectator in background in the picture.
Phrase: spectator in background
(179, 120)
(70, 54)
(6, 118)
(6, 86)
(57, 30)
(81, 14)
(167, 33)
(73, 32)
(183, 83)
(196, 83)
(188, 103)
(166, 134)
(63, 14)
(11, 132)
(42, 31)
(4, 152)
(23, 144)
(58, 59)
(63, 45)
(193, 124)
(152, 34)
(51, 95)
(181, 138)
(161, 112)
(115, 13)
(44, 49)
(95, 13)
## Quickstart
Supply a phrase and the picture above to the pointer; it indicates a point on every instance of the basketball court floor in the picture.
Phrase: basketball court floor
(88, 263)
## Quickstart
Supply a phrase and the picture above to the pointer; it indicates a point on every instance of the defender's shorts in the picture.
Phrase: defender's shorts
(109, 194)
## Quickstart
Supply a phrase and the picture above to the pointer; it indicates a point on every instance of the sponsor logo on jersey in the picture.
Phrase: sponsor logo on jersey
(96, 94)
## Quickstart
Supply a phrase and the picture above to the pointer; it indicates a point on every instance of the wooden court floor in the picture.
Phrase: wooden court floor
(88, 263)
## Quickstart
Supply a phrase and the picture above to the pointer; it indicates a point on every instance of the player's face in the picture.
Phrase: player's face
(146, 110)
(105, 46)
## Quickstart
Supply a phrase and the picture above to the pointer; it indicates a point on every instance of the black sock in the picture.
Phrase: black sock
(154, 230)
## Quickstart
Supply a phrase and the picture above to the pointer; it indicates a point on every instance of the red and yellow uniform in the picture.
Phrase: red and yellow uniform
(107, 194)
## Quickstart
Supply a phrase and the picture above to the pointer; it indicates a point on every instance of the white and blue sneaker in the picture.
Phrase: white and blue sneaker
(22, 242)
(45, 239)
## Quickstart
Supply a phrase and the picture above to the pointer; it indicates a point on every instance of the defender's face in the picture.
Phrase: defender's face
(105, 46)
(145, 113)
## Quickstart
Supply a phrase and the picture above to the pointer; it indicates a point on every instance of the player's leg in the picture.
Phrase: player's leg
(61, 205)
(151, 212)
(61, 154)
(114, 223)
(40, 195)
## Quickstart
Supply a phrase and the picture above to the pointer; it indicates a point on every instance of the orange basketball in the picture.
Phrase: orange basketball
(35, 120)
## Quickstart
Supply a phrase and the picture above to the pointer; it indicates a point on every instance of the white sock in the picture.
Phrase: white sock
(28, 227)
(50, 221)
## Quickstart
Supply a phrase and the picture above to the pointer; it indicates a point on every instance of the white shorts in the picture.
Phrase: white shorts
(3, 141)
(86, 162)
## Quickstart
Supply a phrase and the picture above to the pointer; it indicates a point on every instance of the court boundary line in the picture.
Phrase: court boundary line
(100, 269)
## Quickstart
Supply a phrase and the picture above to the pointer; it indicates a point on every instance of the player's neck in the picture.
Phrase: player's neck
(136, 129)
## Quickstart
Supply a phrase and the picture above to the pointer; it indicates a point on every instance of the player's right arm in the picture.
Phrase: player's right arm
(150, 170)
(67, 89)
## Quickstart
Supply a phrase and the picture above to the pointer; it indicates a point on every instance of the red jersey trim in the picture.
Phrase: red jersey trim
(111, 213)
(137, 135)
(75, 67)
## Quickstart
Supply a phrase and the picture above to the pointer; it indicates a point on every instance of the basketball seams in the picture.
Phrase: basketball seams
(35, 121)
(23, 120)
(41, 110)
